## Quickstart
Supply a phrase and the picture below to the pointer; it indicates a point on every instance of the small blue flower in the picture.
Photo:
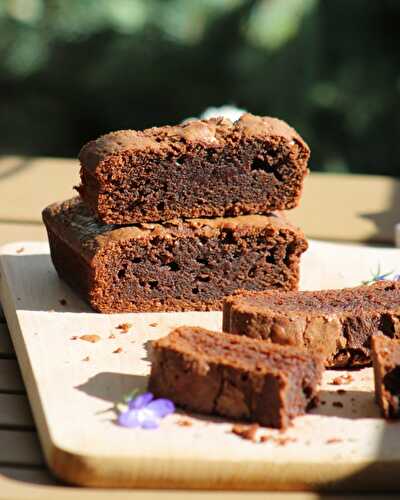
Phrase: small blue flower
(144, 411)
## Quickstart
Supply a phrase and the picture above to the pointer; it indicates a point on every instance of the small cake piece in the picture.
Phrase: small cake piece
(386, 362)
(234, 376)
(339, 323)
(177, 266)
(204, 168)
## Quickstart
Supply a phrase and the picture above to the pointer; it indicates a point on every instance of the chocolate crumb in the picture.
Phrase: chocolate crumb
(333, 440)
(112, 336)
(20, 250)
(117, 350)
(246, 431)
(63, 302)
(153, 324)
(86, 359)
(74, 337)
(90, 338)
(338, 404)
(283, 441)
(323, 402)
(341, 391)
(342, 380)
(184, 422)
(124, 327)
(265, 438)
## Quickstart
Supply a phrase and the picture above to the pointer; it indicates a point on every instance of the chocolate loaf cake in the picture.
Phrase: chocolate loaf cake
(204, 168)
(177, 266)
(386, 362)
(233, 376)
(340, 323)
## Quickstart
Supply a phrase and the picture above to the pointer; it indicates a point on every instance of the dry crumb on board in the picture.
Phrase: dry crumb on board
(184, 422)
(283, 441)
(112, 336)
(87, 358)
(323, 403)
(246, 431)
(63, 302)
(117, 350)
(124, 327)
(20, 250)
(338, 404)
(74, 337)
(342, 380)
(153, 325)
(265, 438)
(341, 391)
(333, 440)
(90, 338)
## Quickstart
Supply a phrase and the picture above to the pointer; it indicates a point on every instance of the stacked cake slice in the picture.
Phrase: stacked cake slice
(176, 218)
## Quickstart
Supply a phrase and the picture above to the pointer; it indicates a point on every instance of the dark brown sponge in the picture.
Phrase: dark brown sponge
(177, 266)
(340, 323)
(208, 168)
(233, 376)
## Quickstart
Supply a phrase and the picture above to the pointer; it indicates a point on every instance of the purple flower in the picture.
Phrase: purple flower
(144, 411)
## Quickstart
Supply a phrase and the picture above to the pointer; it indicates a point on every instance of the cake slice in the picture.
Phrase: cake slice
(235, 377)
(177, 266)
(204, 168)
(340, 323)
(386, 363)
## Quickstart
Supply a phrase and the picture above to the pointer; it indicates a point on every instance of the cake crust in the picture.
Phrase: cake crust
(340, 323)
(236, 377)
(177, 266)
(204, 168)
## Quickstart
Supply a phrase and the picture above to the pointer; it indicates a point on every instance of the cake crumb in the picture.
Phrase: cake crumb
(283, 441)
(341, 391)
(117, 350)
(333, 440)
(112, 336)
(74, 337)
(265, 438)
(246, 431)
(20, 250)
(63, 302)
(184, 422)
(323, 402)
(342, 380)
(90, 338)
(338, 404)
(124, 327)
(86, 359)
(153, 324)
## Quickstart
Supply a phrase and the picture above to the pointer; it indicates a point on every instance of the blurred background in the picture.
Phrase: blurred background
(71, 70)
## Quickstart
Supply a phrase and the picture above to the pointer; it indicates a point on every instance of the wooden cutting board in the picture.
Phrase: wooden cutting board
(72, 385)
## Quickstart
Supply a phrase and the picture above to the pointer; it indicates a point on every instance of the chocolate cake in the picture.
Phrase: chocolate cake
(234, 376)
(204, 168)
(340, 323)
(386, 363)
(177, 266)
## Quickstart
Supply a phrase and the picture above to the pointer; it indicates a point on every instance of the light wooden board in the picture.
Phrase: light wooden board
(72, 398)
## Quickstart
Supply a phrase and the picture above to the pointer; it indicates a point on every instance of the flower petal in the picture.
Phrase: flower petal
(150, 423)
(161, 407)
(129, 418)
(141, 401)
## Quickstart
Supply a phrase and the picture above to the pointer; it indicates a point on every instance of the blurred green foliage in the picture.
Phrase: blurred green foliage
(71, 70)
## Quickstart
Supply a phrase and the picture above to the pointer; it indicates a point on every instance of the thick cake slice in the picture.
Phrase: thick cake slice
(177, 266)
(386, 363)
(233, 376)
(205, 168)
(340, 323)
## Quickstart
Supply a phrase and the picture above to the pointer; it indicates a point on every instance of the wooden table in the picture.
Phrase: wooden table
(356, 208)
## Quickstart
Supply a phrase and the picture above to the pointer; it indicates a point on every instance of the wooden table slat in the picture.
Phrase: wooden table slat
(20, 448)
(10, 376)
(15, 411)
(6, 347)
